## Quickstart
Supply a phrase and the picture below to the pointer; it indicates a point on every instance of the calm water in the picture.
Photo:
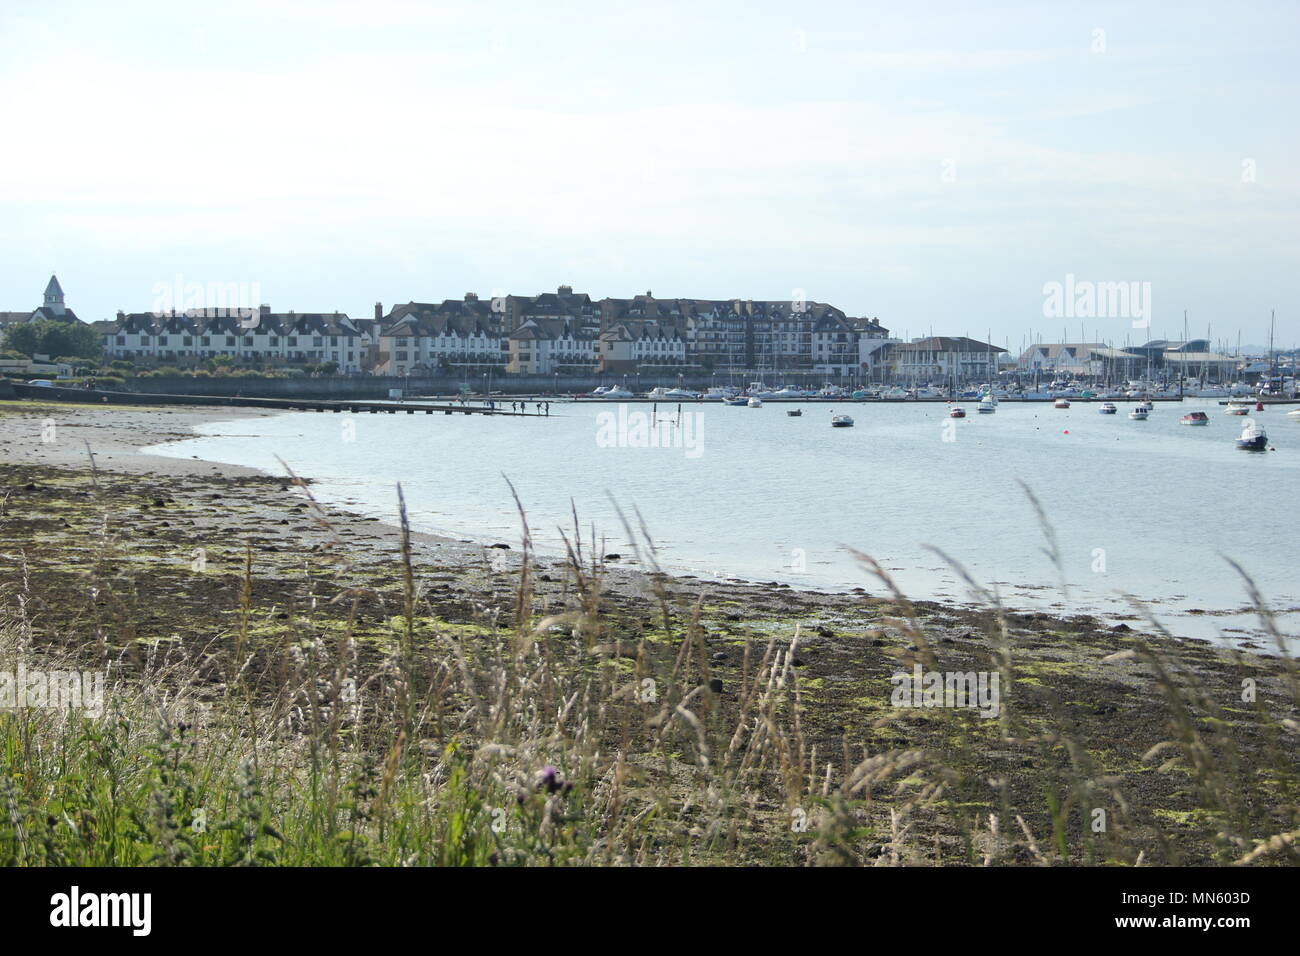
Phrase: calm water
(1148, 508)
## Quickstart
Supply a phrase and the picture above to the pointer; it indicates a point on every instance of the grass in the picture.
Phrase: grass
(304, 727)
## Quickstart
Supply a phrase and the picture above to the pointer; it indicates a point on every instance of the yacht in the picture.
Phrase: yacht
(1237, 408)
(1195, 418)
(754, 402)
(841, 421)
(615, 391)
(1061, 403)
(1139, 414)
(988, 405)
(1108, 408)
(956, 412)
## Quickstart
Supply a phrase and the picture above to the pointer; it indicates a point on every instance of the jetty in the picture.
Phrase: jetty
(96, 396)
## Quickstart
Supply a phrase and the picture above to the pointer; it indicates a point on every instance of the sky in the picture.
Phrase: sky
(936, 166)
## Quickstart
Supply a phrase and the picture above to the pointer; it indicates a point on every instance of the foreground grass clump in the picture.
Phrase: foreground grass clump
(275, 710)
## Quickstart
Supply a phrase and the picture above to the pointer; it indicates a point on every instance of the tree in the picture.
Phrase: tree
(50, 337)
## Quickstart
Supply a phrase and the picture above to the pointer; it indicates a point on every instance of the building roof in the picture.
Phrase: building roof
(945, 343)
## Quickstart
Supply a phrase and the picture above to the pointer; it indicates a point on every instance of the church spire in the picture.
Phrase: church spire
(54, 296)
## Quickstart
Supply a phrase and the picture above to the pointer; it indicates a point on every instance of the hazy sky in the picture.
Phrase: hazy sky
(930, 164)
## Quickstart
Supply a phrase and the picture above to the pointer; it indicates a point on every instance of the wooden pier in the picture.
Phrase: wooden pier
(92, 396)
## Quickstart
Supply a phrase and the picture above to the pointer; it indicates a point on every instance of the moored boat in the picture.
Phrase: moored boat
(956, 412)
(795, 412)
(755, 402)
(1061, 403)
(1253, 437)
(1108, 408)
(987, 406)
(1195, 418)
(841, 421)
(1139, 414)
(1236, 408)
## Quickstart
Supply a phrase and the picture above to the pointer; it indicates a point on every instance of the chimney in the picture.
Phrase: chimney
(471, 296)
(264, 310)
(565, 290)
(379, 311)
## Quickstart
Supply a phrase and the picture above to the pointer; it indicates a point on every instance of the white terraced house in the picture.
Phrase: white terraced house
(263, 338)
(547, 346)
(424, 337)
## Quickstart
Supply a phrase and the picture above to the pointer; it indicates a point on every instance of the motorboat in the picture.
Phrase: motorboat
(682, 393)
(740, 401)
(1139, 414)
(1195, 418)
(1295, 414)
(1061, 403)
(956, 412)
(615, 391)
(1108, 408)
(987, 406)
(794, 412)
(841, 421)
(755, 402)
(1236, 408)
(1253, 437)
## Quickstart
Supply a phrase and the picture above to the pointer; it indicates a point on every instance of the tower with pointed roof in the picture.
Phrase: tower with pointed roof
(54, 297)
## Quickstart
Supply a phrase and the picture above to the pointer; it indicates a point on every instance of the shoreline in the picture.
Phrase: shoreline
(132, 562)
(117, 446)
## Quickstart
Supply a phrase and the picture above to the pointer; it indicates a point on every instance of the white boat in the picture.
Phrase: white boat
(615, 392)
(841, 421)
(1061, 403)
(1236, 408)
(1108, 408)
(987, 406)
(755, 403)
(1253, 437)
(1295, 414)
(682, 393)
(1139, 414)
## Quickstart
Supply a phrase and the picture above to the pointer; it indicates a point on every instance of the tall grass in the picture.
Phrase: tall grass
(565, 736)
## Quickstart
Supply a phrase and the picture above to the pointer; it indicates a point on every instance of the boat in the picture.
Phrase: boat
(1147, 405)
(794, 412)
(1061, 403)
(739, 401)
(1139, 414)
(1195, 418)
(755, 403)
(956, 412)
(1253, 437)
(987, 406)
(841, 421)
(682, 393)
(616, 392)
(1108, 408)
(1295, 414)
(1236, 408)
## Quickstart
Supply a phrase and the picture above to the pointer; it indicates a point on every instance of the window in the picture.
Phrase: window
(230, 341)
(121, 340)
(162, 340)
(317, 341)
(275, 340)
(293, 340)
(187, 340)
(205, 340)
(248, 341)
